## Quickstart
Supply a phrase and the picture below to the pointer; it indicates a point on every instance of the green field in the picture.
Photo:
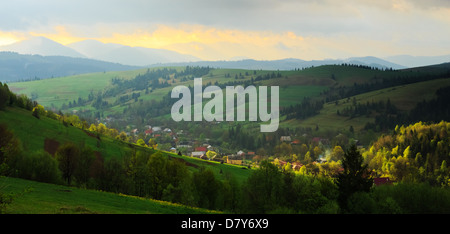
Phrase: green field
(31, 197)
(291, 95)
(404, 97)
(56, 91)
(32, 133)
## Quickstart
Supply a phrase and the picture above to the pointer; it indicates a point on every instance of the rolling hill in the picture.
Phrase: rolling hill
(332, 95)
(289, 63)
(41, 46)
(19, 67)
(337, 87)
(137, 56)
(31, 197)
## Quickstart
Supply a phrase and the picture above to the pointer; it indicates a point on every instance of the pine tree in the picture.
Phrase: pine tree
(354, 178)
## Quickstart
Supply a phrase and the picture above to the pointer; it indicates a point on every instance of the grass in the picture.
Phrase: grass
(60, 90)
(404, 97)
(291, 95)
(56, 91)
(32, 133)
(31, 197)
(240, 173)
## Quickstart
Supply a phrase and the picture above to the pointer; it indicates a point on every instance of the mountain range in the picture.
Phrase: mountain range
(92, 49)
(53, 59)
(22, 67)
(291, 63)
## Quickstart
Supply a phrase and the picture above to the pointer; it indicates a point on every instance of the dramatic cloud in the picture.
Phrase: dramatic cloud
(261, 29)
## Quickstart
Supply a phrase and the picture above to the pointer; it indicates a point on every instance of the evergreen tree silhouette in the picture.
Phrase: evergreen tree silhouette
(354, 178)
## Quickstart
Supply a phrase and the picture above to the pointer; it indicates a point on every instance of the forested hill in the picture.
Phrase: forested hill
(36, 144)
(19, 67)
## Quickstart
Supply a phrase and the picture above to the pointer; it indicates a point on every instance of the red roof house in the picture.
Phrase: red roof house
(201, 149)
(382, 180)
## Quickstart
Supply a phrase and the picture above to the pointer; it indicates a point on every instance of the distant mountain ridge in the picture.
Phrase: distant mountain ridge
(99, 57)
(92, 49)
(41, 46)
(138, 56)
(418, 61)
(19, 67)
(290, 64)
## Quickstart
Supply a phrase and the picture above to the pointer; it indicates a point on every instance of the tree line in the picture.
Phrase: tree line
(433, 110)
(268, 189)
(385, 79)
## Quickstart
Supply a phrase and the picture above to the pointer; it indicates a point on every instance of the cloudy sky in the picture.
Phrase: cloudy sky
(258, 29)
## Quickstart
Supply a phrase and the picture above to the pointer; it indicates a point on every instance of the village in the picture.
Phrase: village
(174, 141)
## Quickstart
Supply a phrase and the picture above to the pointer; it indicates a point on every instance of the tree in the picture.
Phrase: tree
(317, 152)
(354, 178)
(4, 95)
(206, 187)
(9, 149)
(307, 158)
(157, 168)
(93, 128)
(141, 142)
(67, 156)
(337, 153)
(101, 128)
(179, 188)
(152, 143)
(122, 136)
(85, 161)
(210, 154)
(262, 190)
(230, 193)
(39, 166)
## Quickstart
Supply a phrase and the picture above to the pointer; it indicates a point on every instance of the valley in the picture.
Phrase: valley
(128, 143)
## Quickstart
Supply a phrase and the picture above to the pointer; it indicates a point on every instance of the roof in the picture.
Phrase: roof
(197, 153)
(382, 180)
(201, 149)
(285, 138)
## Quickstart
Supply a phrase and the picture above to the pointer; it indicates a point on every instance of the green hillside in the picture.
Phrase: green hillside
(301, 176)
(404, 97)
(33, 134)
(38, 135)
(30, 197)
(56, 91)
(318, 101)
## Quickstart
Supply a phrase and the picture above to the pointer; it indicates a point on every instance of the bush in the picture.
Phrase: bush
(361, 203)
(412, 198)
(39, 166)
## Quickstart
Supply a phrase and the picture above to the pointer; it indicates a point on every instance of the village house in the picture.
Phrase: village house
(234, 161)
(285, 138)
(296, 166)
(382, 180)
(197, 154)
(148, 132)
(156, 129)
(201, 149)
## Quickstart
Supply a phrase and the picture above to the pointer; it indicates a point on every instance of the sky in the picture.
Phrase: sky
(257, 29)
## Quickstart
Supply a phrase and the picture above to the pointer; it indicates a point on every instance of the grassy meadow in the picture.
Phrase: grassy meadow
(30, 197)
